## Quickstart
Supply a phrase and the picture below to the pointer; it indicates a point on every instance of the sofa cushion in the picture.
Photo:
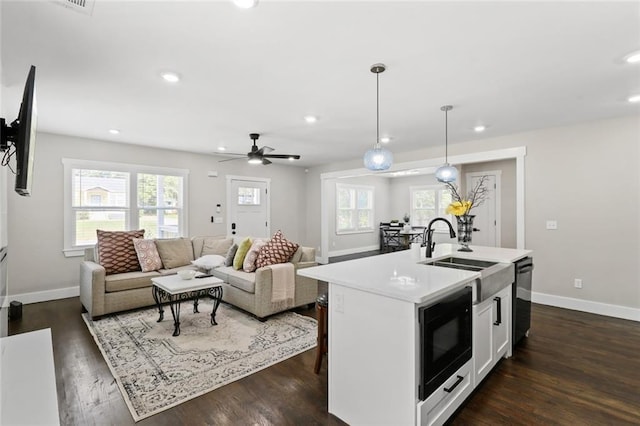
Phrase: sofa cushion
(209, 261)
(277, 250)
(243, 249)
(116, 250)
(249, 263)
(297, 256)
(216, 246)
(239, 279)
(129, 281)
(148, 256)
(175, 252)
(231, 253)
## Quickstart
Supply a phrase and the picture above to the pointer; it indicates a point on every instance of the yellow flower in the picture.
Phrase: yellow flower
(458, 208)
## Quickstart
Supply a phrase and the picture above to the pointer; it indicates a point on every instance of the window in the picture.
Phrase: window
(427, 203)
(120, 197)
(354, 209)
(248, 196)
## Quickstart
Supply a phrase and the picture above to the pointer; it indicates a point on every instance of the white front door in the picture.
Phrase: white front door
(248, 201)
(486, 223)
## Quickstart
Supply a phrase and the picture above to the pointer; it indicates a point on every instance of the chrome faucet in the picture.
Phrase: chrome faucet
(427, 239)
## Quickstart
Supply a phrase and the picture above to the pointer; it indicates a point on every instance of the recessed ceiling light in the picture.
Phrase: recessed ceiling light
(310, 119)
(634, 98)
(114, 131)
(222, 148)
(633, 58)
(245, 4)
(170, 77)
(479, 129)
(385, 139)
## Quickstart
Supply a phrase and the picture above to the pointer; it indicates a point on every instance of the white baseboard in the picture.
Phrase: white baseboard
(45, 296)
(599, 308)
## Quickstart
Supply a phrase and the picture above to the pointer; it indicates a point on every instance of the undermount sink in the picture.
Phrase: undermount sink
(467, 262)
(494, 276)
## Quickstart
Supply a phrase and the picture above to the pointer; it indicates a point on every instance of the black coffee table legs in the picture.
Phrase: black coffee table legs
(162, 297)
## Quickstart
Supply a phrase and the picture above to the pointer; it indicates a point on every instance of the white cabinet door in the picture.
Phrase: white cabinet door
(502, 324)
(483, 351)
(491, 333)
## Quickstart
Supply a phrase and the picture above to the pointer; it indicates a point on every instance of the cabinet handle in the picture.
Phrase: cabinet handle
(455, 385)
(498, 321)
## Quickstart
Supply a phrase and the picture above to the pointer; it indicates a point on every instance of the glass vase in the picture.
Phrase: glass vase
(465, 229)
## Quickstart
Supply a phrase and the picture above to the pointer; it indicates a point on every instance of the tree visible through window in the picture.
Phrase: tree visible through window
(120, 197)
(354, 208)
(427, 203)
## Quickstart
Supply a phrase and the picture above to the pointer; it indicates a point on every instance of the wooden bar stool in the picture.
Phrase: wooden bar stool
(322, 305)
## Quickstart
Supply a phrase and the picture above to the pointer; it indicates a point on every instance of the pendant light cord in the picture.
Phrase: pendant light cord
(446, 136)
(377, 110)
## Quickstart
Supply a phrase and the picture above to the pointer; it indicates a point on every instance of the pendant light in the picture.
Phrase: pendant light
(378, 158)
(446, 173)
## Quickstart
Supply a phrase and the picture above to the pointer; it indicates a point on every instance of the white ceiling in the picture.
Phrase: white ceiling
(513, 66)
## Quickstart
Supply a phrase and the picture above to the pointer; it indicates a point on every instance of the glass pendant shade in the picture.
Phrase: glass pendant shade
(378, 159)
(446, 173)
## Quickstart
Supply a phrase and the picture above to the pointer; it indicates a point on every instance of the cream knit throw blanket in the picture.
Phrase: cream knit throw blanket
(283, 285)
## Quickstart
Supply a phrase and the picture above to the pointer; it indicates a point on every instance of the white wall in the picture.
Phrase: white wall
(587, 177)
(37, 264)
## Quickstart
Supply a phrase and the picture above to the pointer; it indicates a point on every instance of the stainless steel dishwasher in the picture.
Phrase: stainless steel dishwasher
(521, 303)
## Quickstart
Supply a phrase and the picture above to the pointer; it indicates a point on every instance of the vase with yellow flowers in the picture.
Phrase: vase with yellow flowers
(461, 207)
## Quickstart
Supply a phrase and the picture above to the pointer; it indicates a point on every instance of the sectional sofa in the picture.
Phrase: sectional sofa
(103, 291)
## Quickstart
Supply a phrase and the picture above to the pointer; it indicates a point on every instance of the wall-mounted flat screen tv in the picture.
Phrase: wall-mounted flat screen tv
(22, 135)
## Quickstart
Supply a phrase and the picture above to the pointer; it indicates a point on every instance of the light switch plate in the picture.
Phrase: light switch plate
(552, 224)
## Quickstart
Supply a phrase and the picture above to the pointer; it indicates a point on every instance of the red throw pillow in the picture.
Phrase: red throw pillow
(276, 250)
(117, 252)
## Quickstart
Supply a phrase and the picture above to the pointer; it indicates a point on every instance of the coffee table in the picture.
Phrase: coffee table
(172, 290)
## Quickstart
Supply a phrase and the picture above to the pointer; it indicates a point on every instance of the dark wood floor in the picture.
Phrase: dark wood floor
(575, 369)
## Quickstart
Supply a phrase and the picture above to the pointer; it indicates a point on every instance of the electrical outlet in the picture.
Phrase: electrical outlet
(552, 224)
(577, 283)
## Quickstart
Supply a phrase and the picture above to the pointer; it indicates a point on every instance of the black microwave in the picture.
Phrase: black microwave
(445, 339)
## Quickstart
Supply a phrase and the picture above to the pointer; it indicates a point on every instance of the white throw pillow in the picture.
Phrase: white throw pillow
(209, 261)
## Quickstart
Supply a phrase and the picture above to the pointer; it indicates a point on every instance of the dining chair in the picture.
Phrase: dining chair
(392, 240)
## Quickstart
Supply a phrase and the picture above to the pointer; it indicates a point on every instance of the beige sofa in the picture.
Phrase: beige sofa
(103, 294)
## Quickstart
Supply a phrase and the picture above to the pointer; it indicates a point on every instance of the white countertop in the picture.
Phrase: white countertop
(28, 393)
(400, 276)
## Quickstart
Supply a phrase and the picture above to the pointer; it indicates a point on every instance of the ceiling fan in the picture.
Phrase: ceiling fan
(260, 156)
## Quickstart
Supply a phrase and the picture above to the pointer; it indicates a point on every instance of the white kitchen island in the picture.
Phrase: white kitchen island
(374, 347)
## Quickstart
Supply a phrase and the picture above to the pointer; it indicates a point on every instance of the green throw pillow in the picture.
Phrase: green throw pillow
(243, 249)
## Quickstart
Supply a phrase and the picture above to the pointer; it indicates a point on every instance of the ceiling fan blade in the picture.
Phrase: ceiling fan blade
(285, 156)
(265, 161)
(231, 159)
(264, 150)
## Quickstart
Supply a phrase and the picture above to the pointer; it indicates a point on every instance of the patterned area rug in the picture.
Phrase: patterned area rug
(156, 371)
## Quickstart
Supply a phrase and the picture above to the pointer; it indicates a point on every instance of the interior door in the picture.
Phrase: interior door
(486, 227)
(249, 208)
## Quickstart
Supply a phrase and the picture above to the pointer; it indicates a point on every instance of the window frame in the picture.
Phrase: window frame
(439, 189)
(70, 249)
(356, 188)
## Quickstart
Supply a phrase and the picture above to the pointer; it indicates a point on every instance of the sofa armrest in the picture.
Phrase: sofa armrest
(92, 287)
(301, 265)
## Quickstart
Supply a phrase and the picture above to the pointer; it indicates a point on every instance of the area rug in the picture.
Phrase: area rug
(156, 371)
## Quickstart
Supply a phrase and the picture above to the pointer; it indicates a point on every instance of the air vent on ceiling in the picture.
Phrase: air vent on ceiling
(82, 6)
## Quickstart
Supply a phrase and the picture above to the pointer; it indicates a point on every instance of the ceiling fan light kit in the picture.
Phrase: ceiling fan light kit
(378, 158)
(446, 173)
